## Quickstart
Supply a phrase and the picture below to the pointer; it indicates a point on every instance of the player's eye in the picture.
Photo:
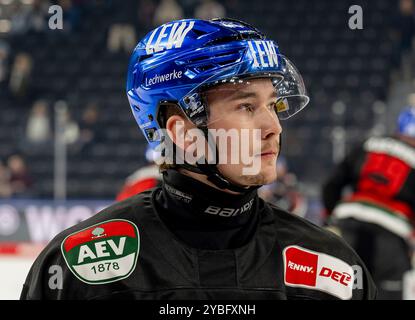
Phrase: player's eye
(246, 107)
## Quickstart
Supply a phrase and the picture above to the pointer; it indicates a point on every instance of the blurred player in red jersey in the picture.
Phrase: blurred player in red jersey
(143, 179)
(377, 218)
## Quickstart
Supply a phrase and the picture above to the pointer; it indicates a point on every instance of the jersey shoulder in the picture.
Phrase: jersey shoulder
(128, 210)
(318, 259)
(110, 235)
(294, 230)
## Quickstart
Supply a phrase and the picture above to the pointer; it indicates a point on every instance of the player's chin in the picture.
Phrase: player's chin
(263, 178)
(256, 174)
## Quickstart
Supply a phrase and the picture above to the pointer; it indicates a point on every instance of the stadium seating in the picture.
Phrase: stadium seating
(336, 62)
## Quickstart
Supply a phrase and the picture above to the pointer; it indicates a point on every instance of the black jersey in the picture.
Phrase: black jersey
(187, 240)
(381, 173)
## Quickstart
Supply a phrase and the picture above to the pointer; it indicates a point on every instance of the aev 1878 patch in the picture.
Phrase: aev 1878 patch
(103, 253)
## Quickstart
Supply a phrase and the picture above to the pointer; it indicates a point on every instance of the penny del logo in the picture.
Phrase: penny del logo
(317, 271)
(103, 253)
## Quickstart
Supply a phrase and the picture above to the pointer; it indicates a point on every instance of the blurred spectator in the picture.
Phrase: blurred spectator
(5, 187)
(166, 11)
(19, 18)
(38, 124)
(71, 131)
(38, 16)
(404, 31)
(20, 74)
(31, 17)
(20, 179)
(71, 15)
(122, 33)
(121, 37)
(209, 9)
(4, 59)
(90, 133)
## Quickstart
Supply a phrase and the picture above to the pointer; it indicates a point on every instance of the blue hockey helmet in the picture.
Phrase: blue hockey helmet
(172, 63)
(177, 61)
(406, 122)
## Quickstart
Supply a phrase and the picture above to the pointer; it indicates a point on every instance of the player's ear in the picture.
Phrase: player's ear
(178, 128)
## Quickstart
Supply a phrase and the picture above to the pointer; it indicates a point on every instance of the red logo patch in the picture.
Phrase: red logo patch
(300, 267)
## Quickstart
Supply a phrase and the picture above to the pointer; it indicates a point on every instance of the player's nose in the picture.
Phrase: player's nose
(270, 124)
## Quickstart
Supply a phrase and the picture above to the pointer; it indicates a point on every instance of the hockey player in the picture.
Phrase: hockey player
(205, 234)
(377, 217)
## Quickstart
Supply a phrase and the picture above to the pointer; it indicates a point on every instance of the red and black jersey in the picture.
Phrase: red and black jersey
(381, 173)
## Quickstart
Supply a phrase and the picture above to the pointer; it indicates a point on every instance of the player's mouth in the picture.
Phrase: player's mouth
(268, 154)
